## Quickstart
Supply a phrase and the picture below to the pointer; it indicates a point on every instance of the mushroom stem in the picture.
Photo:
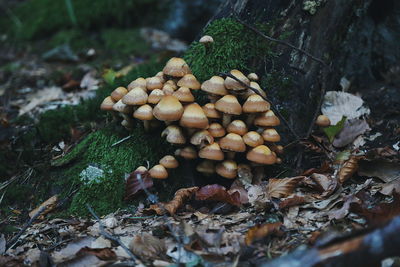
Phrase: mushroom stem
(230, 154)
(250, 118)
(213, 98)
(226, 119)
(146, 125)
(259, 174)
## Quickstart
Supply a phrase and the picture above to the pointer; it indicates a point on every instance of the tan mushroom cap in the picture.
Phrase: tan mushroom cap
(207, 167)
(234, 85)
(141, 169)
(253, 139)
(323, 121)
(229, 105)
(267, 119)
(168, 90)
(135, 97)
(158, 172)
(127, 123)
(237, 127)
(216, 130)
(214, 86)
(118, 93)
(144, 113)
(261, 155)
(187, 152)
(121, 107)
(169, 162)
(212, 151)
(184, 95)
(160, 74)
(172, 84)
(168, 109)
(174, 135)
(189, 81)
(155, 96)
(201, 137)
(194, 117)
(139, 82)
(252, 77)
(211, 112)
(271, 135)
(232, 142)
(257, 87)
(227, 169)
(154, 83)
(255, 103)
(107, 104)
(176, 67)
(206, 39)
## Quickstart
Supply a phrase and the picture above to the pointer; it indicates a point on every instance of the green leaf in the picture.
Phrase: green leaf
(333, 130)
(109, 76)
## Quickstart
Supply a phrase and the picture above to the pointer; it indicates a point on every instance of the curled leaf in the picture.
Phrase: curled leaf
(136, 182)
(261, 231)
(101, 253)
(349, 168)
(217, 192)
(279, 188)
(49, 205)
(147, 246)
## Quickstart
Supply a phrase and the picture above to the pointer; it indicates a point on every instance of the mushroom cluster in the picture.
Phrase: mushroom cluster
(234, 130)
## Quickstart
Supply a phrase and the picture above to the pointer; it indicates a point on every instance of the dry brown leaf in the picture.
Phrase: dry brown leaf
(50, 204)
(101, 253)
(392, 187)
(324, 184)
(136, 182)
(217, 192)
(292, 201)
(349, 168)
(260, 231)
(181, 196)
(147, 246)
(279, 188)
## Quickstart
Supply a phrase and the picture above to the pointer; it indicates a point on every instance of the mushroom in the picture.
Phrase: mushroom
(158, 172)
(323, 121)
(206, 167)
(232, 143)
(250, 92)
(139, 82)
(266, 119)
(127, 124)
(216, 130)
(227, 169)
(155, 96)
(262, 155)
(214, 87)
(174, 135)
(252, 77)
(141, 169)
(145, 114)
(172, 84)
(168, 109)
(135, 97)
(107, 104)
(169, 162)
(235, 86)
(212, 151)
(189, 81)
(254, 104)
(187, 152)
(184, 95)
(253, 139)
(154, 83)
(237, 127)
(160, 75)
(228, 105)
(176, 67)
(122, 107)
(271, 135)
(118, 93)
(194, 117)
(202, 138)
(168, 89)
(211, 112)
(206, 40)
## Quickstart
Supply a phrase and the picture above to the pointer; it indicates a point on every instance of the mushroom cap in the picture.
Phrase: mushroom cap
(237, 127)
(211, 112)
(323, 121)
(262, 155)
(139, 82)
(184, 95)
(107, 104)
(234, 85)
(174, 135)
(168, 109)
(202, 137)
(227, 169)
(212, 151)
(169, 162)
(176, 67)
(121, 107)
(189, 81)
(214, 86)
(206, 167)
(144, 113)
(252, 77)
(216, 130)
(126, 123)
(267, 119)
(232, 142)
(168, 89)
(160, 74)
(187, 152)
(253, 139)
(172, 83)
(257, 87)
(255, 103)
(118, 93)
(206, 39)
(155, 96)
(194, 117)
(271, 135)
(141, 169)
(154, 83)
(229, 105)
(135, 97)
(158, 172)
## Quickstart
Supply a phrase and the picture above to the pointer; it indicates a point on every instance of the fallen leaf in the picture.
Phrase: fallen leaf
(278, 188)
(324, 184)
(89, 81)
(344, 210)
(41, 97)
(340, 104)
(50, 204)
(71, 249)
(101, 253)
(351, 129)
(259, 232)
(323, 169)
(333, 130)
(136, 182)
(348, 169)
(385, 170)
(291, 202)
(392, 187)
(8, 261)
(147, 246)
(219, 193)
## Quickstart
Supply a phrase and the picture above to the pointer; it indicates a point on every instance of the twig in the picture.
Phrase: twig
(14, 240)
(107, 235)
(279, 41)
(274, 109)
(122, 140)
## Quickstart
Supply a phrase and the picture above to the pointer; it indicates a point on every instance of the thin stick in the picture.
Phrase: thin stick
(107, 235)
(122, 140)
(274, 109)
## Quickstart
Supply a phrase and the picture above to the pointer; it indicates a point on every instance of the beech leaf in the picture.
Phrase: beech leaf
(279, 188)
(217, 192)
(261, 231)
